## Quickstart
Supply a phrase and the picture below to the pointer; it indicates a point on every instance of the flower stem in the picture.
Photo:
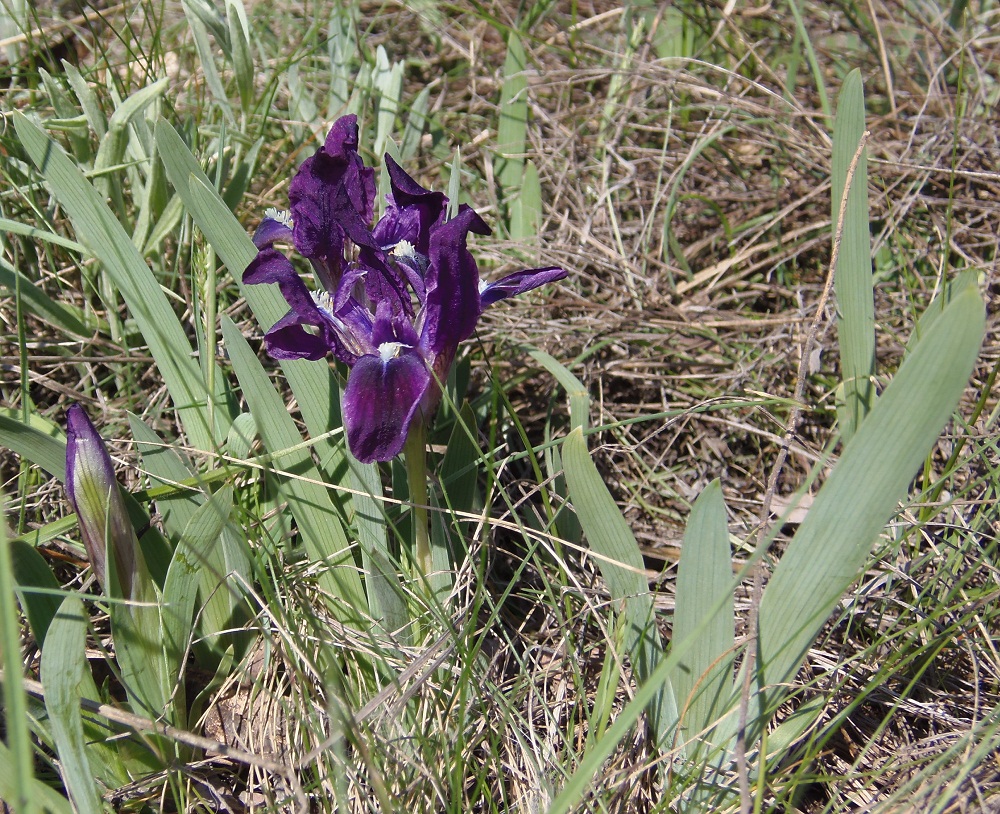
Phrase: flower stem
(416, 476)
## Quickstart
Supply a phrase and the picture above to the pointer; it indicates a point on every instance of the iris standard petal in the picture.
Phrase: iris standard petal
(341, 146)
(452, 306)
(409, 197)
(320, 210)
(359, 181)
(342, 140)
(332, 197)
(395, 225)
(381, 400)
(518, 283)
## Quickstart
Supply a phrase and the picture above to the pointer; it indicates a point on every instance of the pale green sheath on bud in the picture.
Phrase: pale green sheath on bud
(96, 499)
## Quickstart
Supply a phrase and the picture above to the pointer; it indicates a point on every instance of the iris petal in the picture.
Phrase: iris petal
(518, 283)
(452, 308)
(381, 400)
(271, 266)
(288, 339)
(410, 198)
(332, 197)
(359, 181)
(271, 230)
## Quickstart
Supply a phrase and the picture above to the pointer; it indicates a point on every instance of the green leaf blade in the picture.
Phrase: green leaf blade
(512, 131)
(865, 487)
(853, 280)
(317, 518)
(617, 554)
(63, 671)
(20, 765)
(98, 228)
(704, 679)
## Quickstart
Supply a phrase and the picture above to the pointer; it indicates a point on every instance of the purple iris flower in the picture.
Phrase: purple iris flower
(393, 301)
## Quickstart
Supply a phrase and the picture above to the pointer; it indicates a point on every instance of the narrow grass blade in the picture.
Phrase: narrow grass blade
(361, 95)
(15, 701)
(388, 80)
(242, 176)
(111, 244)
(88, 99)
(385, 598)
(224, 611)
(209, 14)
(63, 667)
(958, 8)
(567, 523)
(41, 441)
(454, 183)
(184, 576)
(152, 201)
(460, 464)
(36, 588)
(201, 19)
(577, 785)
(343, 49)
(416, 123)
(579, 397)
(668, 240)
(164, 467)
(704, 680)
(33, 232)
(41, 794)
(814, 65)
(315, 514)
(526, 212)
(617, 554)
(136, 630)
(853, 281)
(79, 137)
(933, 312)
(241, 436)
(227, 235)
(301, 107)
(603, 704)
(512, 131)
(239, 42)
(673, 36)
(865, 487)
(112, 149)
(804, 717)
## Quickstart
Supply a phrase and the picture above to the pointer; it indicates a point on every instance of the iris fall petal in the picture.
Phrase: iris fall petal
(381, 400)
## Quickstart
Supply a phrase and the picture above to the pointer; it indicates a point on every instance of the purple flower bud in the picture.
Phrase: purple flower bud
(96, 499)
